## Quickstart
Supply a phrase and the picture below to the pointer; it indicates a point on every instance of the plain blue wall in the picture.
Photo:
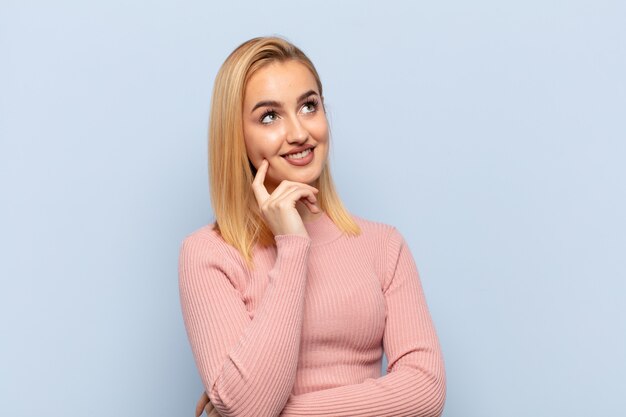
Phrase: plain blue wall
(492, 134)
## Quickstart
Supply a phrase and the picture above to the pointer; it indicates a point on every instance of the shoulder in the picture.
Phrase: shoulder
(384, 245)
(377, 230)
(387, 239)
(204, 256)
(205, 245)
(383, 239)
(203, 236)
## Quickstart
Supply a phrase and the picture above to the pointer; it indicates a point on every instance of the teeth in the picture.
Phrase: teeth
(299, 155)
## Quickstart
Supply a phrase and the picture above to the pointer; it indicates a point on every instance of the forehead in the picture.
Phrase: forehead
(280, 81)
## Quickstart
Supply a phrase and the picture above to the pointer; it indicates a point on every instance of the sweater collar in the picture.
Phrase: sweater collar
(322, 230)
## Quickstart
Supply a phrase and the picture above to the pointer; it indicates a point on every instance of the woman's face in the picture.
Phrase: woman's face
(283, 114)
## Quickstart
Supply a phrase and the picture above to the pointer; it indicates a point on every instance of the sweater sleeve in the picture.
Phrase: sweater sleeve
(248, 366)
(415, 381)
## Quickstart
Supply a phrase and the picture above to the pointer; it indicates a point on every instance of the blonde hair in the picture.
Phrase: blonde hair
(237, 215)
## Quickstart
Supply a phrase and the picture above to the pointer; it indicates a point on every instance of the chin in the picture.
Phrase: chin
(306, 179)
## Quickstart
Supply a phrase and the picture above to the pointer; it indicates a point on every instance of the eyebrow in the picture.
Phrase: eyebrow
(273, 103)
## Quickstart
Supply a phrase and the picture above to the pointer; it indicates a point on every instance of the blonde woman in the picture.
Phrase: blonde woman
(288, 299)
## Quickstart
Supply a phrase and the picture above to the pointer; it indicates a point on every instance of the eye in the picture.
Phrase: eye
(310, 106)
(268, 117)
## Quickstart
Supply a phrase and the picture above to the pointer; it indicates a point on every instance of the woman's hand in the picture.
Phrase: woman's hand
(205, 405)
(279, 208)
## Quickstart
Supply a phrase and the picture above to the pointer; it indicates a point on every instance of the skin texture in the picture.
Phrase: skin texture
(286, 193)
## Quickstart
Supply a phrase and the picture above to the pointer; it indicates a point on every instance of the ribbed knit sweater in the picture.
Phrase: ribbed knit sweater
(303, 333)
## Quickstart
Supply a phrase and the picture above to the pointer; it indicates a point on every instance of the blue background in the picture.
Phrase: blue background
(491, 134)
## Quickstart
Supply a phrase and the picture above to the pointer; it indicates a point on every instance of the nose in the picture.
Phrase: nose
(297, 133)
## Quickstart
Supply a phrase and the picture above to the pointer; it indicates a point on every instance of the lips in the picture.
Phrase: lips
(305, 159)
(298, 149)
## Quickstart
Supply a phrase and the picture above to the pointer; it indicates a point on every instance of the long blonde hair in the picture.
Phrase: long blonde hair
(237, 215)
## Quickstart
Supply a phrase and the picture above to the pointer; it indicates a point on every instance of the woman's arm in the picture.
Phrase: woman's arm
(415, 382)
(247, 366)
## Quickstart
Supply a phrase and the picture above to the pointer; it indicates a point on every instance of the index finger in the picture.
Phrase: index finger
(258, 186)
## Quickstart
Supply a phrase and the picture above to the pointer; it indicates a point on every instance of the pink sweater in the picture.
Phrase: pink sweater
(303, 334)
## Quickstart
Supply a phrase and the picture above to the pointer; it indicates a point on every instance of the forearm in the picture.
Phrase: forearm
(405, 392)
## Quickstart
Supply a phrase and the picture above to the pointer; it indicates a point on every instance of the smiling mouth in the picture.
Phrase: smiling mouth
(298, 155)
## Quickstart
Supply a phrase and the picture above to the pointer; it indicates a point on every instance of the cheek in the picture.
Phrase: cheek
(319, 129)
(261, 143)
(320, 132)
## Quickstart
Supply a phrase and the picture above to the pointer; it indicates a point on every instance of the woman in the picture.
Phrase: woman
(288, 299)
